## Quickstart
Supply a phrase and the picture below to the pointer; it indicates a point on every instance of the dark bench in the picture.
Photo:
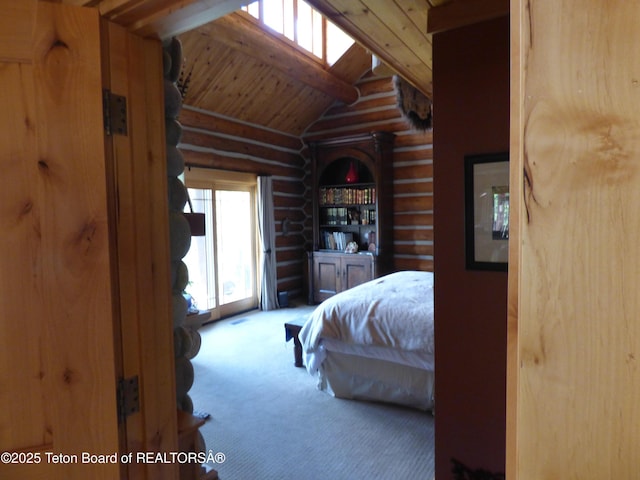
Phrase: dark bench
(291, 330)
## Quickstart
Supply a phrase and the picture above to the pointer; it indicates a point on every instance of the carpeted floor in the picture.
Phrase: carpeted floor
(271, 423)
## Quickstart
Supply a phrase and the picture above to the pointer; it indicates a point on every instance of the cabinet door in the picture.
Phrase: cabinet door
(326, 277)
(356, 269)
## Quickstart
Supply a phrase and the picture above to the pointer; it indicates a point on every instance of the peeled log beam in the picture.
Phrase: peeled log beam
(237, 146)
(412, 235)
(161, 18)
(413, 204)
(214, 123)
(236, 163)
(390, 113)
(425, 265)
(413, 249)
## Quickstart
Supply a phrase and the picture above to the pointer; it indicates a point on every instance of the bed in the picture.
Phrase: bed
(375, 341)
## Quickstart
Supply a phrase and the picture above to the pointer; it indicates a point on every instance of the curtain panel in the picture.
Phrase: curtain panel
(267, 231)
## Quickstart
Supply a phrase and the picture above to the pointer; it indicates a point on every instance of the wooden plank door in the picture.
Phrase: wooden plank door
(138, 179)
(57, 361)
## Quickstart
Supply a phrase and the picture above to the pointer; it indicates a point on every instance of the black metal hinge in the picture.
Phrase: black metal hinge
(128, 397)
(115, 113)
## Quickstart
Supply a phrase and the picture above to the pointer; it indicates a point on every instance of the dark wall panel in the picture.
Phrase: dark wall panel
(471, 105)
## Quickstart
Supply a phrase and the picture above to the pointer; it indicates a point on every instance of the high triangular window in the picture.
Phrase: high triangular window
(303, 25)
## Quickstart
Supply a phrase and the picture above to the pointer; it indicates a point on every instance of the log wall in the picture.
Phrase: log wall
(412, 166)
(213, 141)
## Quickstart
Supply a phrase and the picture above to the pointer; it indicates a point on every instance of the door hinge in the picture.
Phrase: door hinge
(115, 113)
(128, 397)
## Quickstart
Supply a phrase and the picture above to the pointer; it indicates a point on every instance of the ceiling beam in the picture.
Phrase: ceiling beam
(240, 33)
(171, 22)
(460, 13)
(161, 18)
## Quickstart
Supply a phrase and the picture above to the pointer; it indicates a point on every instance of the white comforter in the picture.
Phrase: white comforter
(394, 311)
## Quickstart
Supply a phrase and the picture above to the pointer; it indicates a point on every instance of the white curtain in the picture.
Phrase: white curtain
(267, 230)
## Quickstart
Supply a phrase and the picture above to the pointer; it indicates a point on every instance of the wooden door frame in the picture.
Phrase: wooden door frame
(573, 330)
(199, 177)
(138, 186)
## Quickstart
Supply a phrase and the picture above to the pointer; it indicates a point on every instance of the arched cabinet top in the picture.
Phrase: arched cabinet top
(369, 149)
(337, 172)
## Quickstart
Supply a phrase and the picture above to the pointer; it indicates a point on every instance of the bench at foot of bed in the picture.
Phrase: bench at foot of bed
(291, 330)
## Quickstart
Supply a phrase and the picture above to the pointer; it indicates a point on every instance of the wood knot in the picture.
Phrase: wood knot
(87, 233)
(27, 207)
(68, 376)
(59, 44)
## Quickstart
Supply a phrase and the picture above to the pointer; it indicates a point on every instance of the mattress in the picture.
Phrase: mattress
(391, 316)
(375, 341)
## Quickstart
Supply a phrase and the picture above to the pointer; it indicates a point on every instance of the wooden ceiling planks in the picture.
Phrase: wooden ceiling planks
(242, 32)
(395, 30)
(391, 30)
(416, 12)
(405, 21)
(265, 85)
(233, 83)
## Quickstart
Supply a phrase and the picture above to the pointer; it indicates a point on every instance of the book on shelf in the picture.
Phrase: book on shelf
(334, 216)
(368, 217)
(336, 240)
(347, 195)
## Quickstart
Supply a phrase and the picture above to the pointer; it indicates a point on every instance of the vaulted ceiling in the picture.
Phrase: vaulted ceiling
(239, 70)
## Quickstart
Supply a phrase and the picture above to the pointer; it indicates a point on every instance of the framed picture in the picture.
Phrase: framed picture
(486, 179)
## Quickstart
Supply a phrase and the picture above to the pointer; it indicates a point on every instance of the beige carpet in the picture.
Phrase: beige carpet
(270, 421)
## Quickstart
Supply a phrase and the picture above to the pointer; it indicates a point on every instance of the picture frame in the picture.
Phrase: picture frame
(487, 211)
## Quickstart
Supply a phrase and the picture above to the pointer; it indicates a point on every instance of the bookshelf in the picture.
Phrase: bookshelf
(352, 179)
